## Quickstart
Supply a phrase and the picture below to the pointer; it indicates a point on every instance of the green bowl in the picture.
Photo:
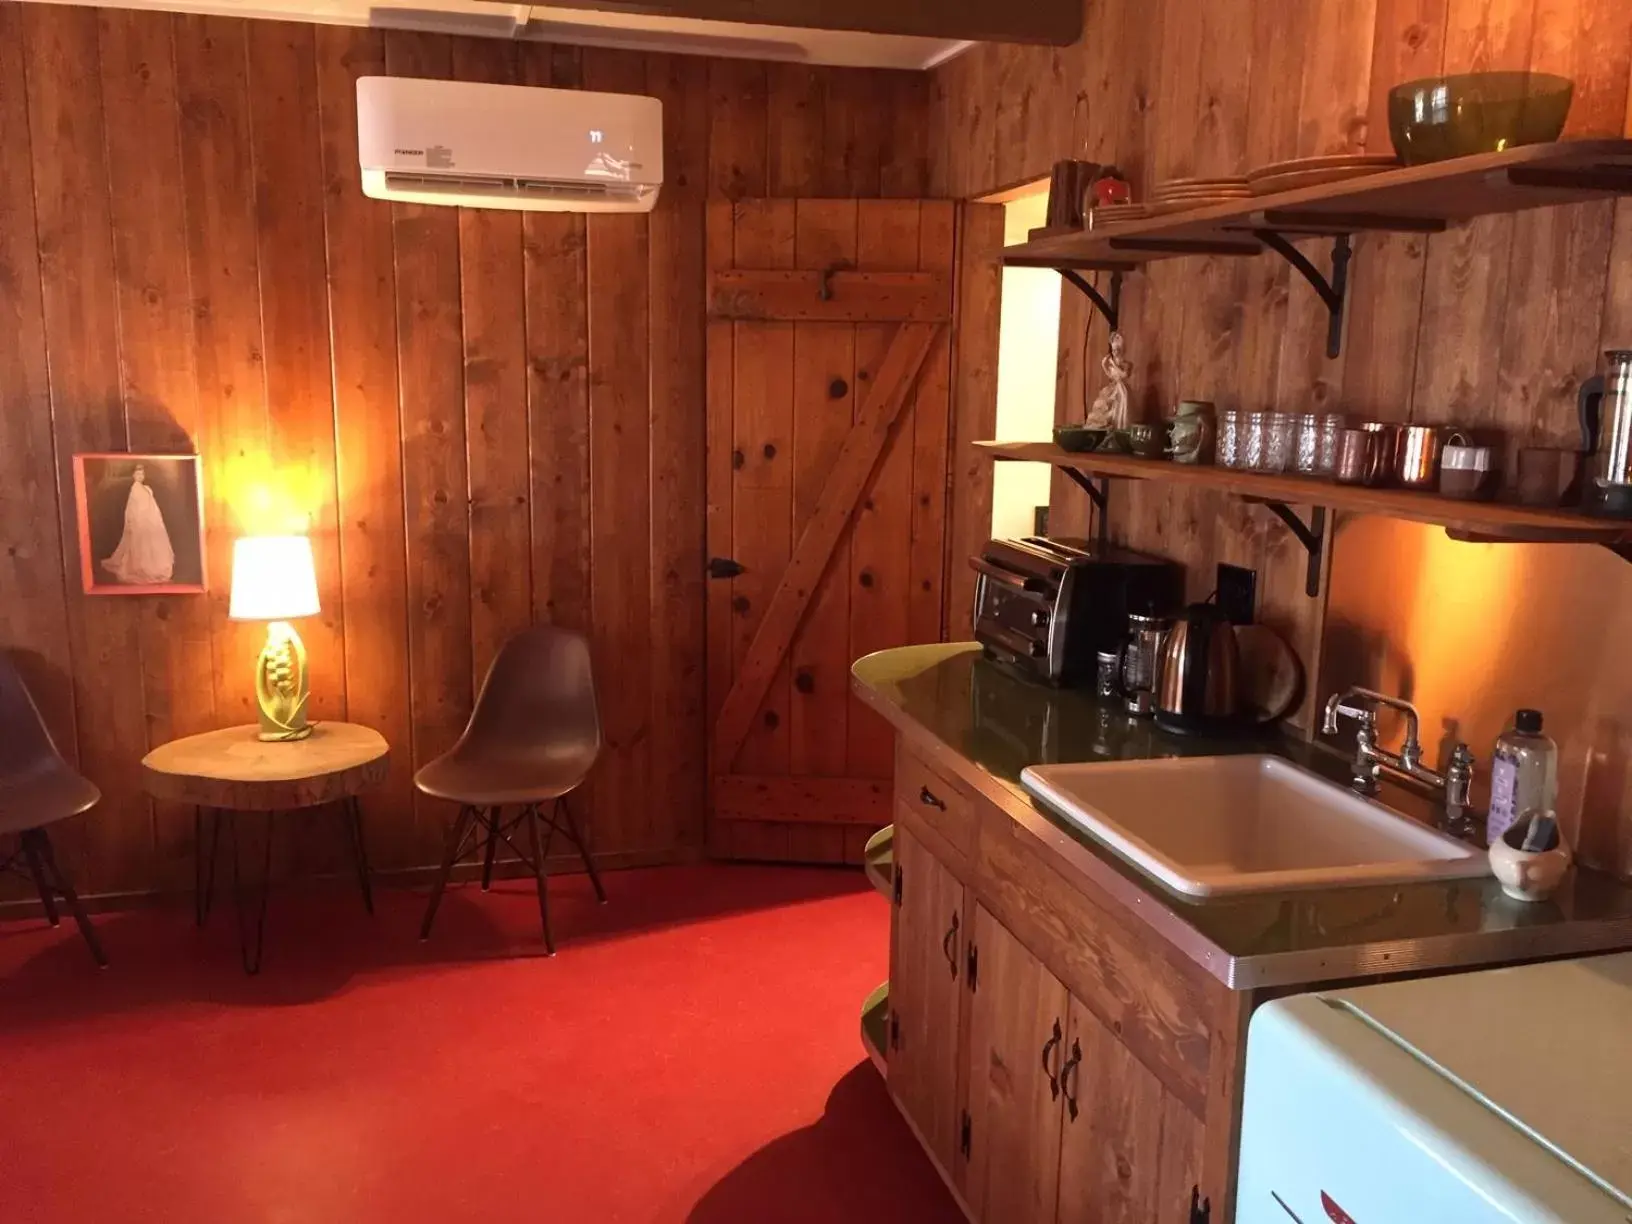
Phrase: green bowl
(1078, 439)
(1482, 112)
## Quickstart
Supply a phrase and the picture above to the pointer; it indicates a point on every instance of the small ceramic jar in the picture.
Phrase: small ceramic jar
(1465, 469)
(1529, 876)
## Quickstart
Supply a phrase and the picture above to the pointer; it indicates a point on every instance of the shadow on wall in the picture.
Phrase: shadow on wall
(1472, 632)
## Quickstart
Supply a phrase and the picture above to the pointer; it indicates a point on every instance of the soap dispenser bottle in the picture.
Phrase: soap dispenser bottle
(1524, 776)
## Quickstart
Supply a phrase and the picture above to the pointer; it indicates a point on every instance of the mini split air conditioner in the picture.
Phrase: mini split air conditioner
(508, 146)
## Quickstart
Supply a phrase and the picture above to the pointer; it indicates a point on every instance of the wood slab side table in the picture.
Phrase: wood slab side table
(231, 773)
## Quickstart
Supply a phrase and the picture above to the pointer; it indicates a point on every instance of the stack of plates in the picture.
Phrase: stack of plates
(1111, 214)
(1177, 194)
(1312, 171)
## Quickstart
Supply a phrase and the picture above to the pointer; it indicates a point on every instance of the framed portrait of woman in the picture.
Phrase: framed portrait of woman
(141, 524)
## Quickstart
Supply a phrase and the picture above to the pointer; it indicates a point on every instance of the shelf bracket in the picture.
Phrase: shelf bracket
(1097, 493)
(1332, 291)
(1112, 309)
(1312, 536)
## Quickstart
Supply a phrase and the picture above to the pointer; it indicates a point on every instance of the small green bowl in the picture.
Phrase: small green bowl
(1481, 112)
(1078, 439)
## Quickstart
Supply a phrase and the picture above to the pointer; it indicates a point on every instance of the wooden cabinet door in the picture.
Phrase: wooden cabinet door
(829, 405)
(926, 974)
(1129, 1150)
(1016, 1048)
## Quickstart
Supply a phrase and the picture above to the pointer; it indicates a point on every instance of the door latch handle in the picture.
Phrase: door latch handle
(1048, 1048)
(928, 799)
(949, 946)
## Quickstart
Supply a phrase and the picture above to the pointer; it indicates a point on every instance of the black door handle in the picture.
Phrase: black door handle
(1068, 1078)
(1048, 1047)
(928, 799)
(949, 947)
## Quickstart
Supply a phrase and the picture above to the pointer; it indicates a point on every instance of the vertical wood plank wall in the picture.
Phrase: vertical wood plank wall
(482, 417)
(1492, 325)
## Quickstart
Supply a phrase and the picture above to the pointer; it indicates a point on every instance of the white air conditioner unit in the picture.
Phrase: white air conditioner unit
(508, 146)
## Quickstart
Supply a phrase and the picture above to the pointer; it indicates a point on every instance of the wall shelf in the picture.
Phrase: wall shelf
(1412, 199)
(1493, 522)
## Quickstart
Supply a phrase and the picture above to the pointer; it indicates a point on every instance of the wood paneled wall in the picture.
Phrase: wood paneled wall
(1492, 325)
(484, 418)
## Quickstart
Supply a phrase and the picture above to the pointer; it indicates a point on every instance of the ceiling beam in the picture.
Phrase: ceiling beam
(1050, 22)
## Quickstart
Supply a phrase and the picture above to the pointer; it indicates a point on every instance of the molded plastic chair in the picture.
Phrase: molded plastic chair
(532, 738)
(38, 788)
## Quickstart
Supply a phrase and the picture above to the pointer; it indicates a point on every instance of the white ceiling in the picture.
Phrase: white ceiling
(547, 23)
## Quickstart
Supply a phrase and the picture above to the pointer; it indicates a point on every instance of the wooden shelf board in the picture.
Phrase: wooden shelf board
(1489, 519)
(1411, 196)
(878, 860)
(875, 1021)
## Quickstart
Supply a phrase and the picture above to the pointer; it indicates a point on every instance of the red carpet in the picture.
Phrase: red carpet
(691, 1055)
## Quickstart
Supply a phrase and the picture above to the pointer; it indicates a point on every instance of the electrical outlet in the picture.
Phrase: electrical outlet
(1238, 593)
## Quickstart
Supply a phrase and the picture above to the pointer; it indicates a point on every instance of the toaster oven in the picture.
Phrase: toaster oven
(1047, 606)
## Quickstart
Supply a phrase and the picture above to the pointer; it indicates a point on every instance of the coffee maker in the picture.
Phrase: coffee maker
(1606, 426)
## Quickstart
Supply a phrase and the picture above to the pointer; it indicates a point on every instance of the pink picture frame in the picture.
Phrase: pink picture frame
(141, 524)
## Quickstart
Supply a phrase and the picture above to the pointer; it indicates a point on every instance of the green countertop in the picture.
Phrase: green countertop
(998, 723)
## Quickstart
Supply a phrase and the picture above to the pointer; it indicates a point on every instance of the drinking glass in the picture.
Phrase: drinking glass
(1278, 442)
(1332, 426)
(1229, 438)
(1307, 457)
(1253, 443)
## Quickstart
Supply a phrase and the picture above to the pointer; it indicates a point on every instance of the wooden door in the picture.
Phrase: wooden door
(926, 970)
(1016, 1049)
(829, 408)
(1129, 1150)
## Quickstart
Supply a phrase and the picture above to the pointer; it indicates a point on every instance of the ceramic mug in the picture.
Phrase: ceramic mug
(1529, 876)
(1547, 474)
(1192, 431)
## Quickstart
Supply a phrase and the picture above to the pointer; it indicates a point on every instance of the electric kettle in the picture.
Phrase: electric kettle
(1196, 679)
(1606, 428)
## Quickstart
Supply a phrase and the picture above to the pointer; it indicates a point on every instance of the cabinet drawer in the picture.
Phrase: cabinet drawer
(938, 802)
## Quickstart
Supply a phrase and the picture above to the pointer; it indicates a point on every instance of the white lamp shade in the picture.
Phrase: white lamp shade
(273, 578)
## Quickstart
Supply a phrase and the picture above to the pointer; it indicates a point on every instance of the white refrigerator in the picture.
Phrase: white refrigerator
(1499, 1095)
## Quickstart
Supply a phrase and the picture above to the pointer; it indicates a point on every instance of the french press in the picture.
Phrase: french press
(1606, 429)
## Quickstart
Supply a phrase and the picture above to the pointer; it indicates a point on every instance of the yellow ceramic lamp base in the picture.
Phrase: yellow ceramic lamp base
(280, 684)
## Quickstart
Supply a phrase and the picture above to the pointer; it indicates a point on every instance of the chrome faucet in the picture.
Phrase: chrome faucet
(1370, 760)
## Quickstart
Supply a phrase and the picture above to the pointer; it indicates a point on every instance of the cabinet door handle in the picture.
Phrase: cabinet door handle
(949, 946)
(1048, 1048)
(928, 799)
(1068, 1078)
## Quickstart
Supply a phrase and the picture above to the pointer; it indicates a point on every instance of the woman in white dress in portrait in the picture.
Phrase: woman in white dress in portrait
(145, 556)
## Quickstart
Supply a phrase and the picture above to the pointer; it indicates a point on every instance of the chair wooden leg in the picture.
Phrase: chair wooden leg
(456, 837)
(533, 821)
(578, 840)
(39, 844)
(37, 869)
(495, 816)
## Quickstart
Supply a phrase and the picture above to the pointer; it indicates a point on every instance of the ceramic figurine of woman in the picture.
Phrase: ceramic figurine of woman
(145, 556)
(1110, 409)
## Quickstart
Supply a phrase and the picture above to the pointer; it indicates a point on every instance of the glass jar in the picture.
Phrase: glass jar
(1332, 426)
(1306, 454)
(1229, 438)
(1277, 442)
(1253, 446)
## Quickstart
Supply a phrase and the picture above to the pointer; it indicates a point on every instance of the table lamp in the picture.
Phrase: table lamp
(273, 579)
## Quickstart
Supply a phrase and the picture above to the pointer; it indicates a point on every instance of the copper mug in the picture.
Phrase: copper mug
(1365, 456)
(1417, 451)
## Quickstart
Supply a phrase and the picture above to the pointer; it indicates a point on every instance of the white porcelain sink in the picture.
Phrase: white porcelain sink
(1210, 825)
